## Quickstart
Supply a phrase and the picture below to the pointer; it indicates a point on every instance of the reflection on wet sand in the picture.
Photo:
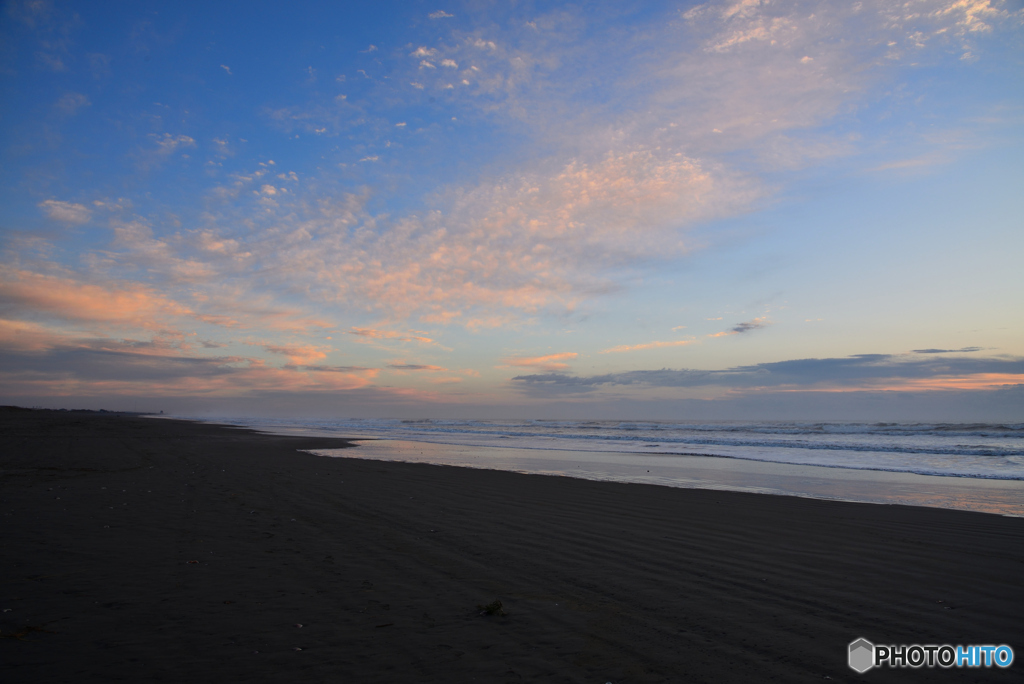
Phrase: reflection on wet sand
(1004, 497)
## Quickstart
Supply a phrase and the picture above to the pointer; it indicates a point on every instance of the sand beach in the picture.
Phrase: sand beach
(137, 549)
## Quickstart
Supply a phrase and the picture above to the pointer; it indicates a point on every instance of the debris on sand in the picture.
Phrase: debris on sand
(493, 608)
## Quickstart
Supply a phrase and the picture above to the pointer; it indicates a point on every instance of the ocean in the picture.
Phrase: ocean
(994, 451)
(977, 466)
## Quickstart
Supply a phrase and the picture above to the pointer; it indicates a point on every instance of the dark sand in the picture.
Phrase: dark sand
(384, 564)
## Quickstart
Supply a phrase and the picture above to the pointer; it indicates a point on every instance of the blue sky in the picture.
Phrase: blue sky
(531, 209)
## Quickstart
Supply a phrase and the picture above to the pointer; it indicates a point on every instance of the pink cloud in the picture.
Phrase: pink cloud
(389, 335)
(130, 304)
(298, 355)
(648, 345)
(26, 336)
(171, 374)
(973, 381)
(550, 362)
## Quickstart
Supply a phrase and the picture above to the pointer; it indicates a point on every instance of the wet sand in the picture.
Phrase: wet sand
(1005, 497)
(136, 549)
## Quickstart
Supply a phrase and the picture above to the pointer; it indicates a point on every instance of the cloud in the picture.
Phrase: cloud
(227, 69)
(51, 61)
(853, 373)
(27, 336)
(113, 369)
(371, 372)
(744, 327)
(99, 64)
(948, 351)
(971, 15)
(615, 189)
(168, 144)
(631, 178)
(923, 162)
(68, 212)
(415, 367)
(509, 247)
(331, 117)
(550, 362)
(69, 103)
(772, 30)
(624, 151)
(135, 246)
(647, 345)
(389, 335)
(440, 14)
(297, 355)
(33, 13)
(521, 242)
(222, 148)
(130, 304)
(755, 324)
(526, 242)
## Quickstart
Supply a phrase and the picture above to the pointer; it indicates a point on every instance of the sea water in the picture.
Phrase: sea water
(977, 466)
(982, 450)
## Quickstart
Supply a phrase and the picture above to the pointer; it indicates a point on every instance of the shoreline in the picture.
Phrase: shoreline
(384, 564)
(717, 473)
(815, 497)
(312, 430)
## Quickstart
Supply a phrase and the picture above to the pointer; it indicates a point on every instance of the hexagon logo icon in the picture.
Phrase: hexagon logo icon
(862, 655)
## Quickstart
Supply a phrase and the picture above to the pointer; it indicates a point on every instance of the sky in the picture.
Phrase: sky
(720, 211)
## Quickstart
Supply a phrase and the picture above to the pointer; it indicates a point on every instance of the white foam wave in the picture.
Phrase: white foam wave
(992, 451)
